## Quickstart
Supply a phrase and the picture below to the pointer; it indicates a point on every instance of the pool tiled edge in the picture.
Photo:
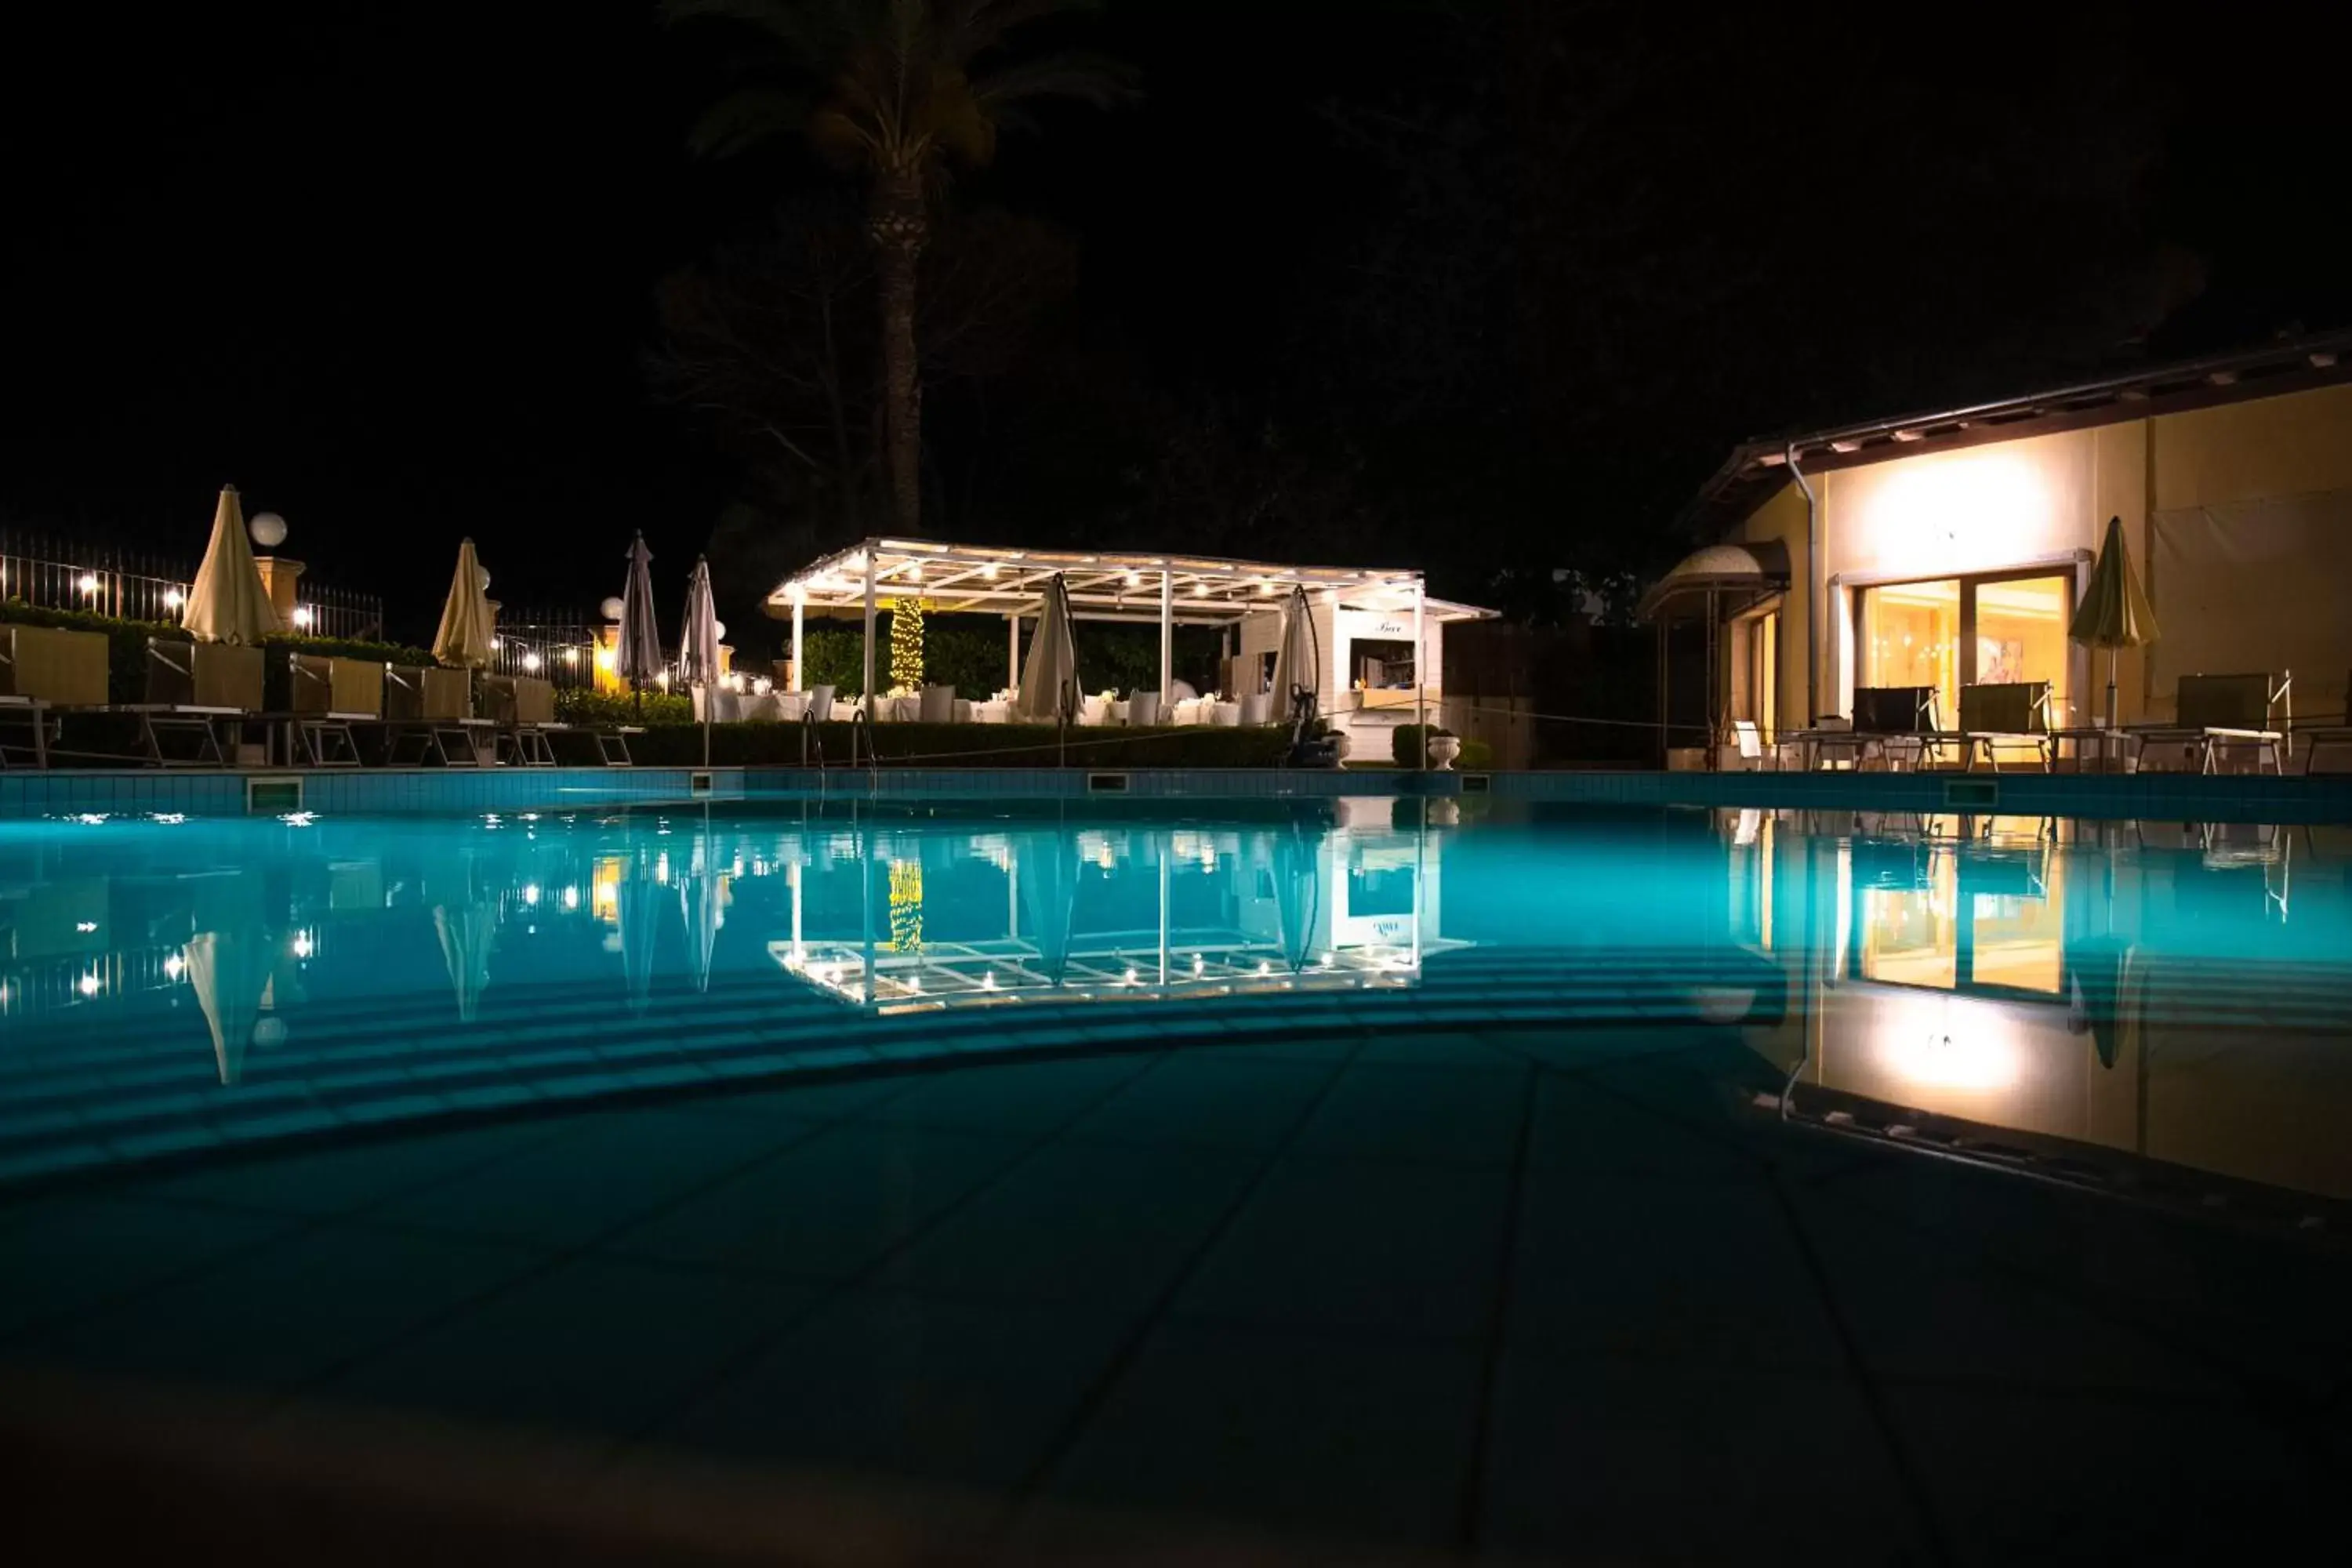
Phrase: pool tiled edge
(2178, 796)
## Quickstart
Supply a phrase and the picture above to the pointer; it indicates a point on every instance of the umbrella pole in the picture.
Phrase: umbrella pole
(705, 724)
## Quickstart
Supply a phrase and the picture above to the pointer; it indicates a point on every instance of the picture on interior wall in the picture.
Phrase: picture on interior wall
(2000, 661)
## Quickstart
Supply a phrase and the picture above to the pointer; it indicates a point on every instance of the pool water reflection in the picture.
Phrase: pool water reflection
(173, 986)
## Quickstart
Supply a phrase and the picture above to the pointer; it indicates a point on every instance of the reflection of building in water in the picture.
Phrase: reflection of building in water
(2129, 986)
(1113, 912)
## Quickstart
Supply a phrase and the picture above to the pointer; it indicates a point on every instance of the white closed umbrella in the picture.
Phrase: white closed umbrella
(1049, 681)
(1296, 663)
(697, 646)
(637, 655)
(230, 973)
(463, 641)
(467, 932)
(226, 603)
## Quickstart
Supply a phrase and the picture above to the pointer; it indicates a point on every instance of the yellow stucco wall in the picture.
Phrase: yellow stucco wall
(2045, 499)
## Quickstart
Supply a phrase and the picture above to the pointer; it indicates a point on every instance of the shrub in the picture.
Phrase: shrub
(1407, 741)
(967, 745)
(1477, 757)
(584, 705)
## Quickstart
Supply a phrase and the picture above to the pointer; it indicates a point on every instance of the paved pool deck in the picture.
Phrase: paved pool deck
(1348, 1296)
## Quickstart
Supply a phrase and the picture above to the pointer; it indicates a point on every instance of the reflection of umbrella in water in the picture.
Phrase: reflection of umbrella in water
(2108, 976)
(1047, 864)
(701, 897)
(466, 933)
(1298, 895)
(640, 922)
(230, 973)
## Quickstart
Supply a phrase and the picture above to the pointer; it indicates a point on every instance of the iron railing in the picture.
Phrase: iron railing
(52, 573)
(553, 645)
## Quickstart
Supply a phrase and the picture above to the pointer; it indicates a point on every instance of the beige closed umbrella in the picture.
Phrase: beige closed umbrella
(464, 640)
(1297, 661)
(2114, 612)
(1049, 682)
(228, 602)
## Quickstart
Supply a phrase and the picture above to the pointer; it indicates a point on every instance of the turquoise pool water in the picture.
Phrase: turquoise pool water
(178, 985)
(1471, 1178)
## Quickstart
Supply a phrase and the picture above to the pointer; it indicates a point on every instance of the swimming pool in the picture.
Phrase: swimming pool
(1156, 1079)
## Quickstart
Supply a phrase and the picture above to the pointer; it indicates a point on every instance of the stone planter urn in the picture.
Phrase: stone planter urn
(1443, 750)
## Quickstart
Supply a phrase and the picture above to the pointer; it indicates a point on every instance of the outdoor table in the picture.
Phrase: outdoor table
(994, 712)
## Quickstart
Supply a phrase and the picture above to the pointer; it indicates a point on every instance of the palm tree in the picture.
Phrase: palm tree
(897, 92)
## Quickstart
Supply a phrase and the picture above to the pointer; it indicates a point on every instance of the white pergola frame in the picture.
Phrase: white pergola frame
(1165, 590)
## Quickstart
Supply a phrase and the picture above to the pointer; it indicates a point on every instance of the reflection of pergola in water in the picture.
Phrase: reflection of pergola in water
(1319, 944)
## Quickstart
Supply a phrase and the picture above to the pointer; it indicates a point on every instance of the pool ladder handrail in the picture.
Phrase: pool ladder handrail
(809, 732)
(862, 722)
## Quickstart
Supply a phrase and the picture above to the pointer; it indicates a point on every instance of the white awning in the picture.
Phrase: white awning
(1103, 585)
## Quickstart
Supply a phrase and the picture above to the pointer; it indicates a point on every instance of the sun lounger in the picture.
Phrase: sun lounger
(522, 707)
(2212, 712)
(43, 668)
(2330, 737)
(428, 715)
(2011, 714)
(199, 696)
(327, 696)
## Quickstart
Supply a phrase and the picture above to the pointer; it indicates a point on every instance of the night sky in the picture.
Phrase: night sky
(1479, 286)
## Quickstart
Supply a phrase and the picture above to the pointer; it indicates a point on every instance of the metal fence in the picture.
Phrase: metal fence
(554, 645)
(57, 573)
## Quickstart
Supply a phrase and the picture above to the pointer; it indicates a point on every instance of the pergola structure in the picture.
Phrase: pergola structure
(1166, 590)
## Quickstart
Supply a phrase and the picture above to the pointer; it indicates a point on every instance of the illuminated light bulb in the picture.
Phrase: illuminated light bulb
(1265, 587)
(530, 661)
(1264, 967)
(1200, 590)
(174, 963)
(1199, 964)
(988, 981)
(915, 573)
(571, 898)
(86, 985)
(498, 645)
(303, 946)
(531, 894)
(605, 660)
(989, 571)
(1135, 579)
(87, 583)
(173, 599)
(304, 615)
(1128, 979)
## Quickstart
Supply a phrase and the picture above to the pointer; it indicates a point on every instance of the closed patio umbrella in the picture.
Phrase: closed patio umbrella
(1296, 674)
(702, 899)
(697, 646)
(636, 655)
(1298, 893)
(463, 641)
(226, 603)
(2114, 612)
(1049, 681)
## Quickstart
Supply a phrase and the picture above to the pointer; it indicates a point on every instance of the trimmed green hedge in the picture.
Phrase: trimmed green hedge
(968, 745)
(582, 705)
(126, 650)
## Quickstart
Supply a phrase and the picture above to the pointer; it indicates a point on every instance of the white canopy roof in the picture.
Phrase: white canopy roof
(1103, 585)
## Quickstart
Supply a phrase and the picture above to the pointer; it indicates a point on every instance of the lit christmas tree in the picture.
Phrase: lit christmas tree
(906, 643)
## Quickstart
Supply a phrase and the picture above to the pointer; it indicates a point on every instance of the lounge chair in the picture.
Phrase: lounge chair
(2323, 737)
(326, 697)
(1900, 721)
(522, 707)
(198, 693)
(429, 715)
(1747, 747)
(1994, 714)
(43, 668)
(2213, 711)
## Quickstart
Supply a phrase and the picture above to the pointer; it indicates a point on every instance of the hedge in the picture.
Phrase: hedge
(969, 745)
(126, 649)
(968, 652)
